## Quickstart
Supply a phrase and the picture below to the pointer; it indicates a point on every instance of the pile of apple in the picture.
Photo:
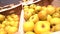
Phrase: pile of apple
(8, 24)
(41, 19)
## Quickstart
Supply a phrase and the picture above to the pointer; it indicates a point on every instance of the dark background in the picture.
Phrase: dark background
(6, 2)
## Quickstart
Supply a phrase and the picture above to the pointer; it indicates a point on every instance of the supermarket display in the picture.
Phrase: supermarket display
(41, 19)
(29, 17)
(10, 19)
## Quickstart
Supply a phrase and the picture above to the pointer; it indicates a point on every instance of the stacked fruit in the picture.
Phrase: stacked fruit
(8, 24)
(41, 19)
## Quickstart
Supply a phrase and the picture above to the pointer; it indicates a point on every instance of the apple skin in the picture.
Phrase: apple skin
(32, 6)
(44, 8)
(50, 9)
(58, 9)
(34, 18)
(57, 15)
(32, 11)
(55, 21)
(28, 26)
(27, 15)
(55, 28)
(49, 17)
(2, 31)
(26, 9)
(37, 9)
(2, 17)
(41, 27)
(42, 15)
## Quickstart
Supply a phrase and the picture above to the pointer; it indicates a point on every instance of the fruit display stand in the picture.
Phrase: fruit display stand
(7, 14)
(22, 20)
(9, 9)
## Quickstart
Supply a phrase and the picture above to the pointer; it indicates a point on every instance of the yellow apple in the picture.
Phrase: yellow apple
(49, 17)
(58, 9)
(55, 21)
(56, 15)
(13, 23)
(9, 18)
(38, 9)
(2, 17)
(32, 11)
(42, 15)
(41, 27)
(44, 8)
(3, 25)
(50, 9)
(10, 29)
(32, 6)
(7, 28)
(26, 9)
(15, 17)
(34, 18)
(27, 15)
(5, 22)
(13, 29)
(2, 31)
(28, 26)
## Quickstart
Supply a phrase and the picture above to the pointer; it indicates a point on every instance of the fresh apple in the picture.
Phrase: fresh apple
(58, 9)
(9, 18)
(44, 8)
(38, 9)
(2, 17)
(41, 27)
(55, 21)
(42, 15)
(15, 17)
(34, 18)
(32, 11)
(49, 17)
(50, 9)
(28, 26)
(27, 15)
(3, 25)
(26, 9)
(32, 6)
(57, 15)
(2, 31)
(5, 22)
(10, 29)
